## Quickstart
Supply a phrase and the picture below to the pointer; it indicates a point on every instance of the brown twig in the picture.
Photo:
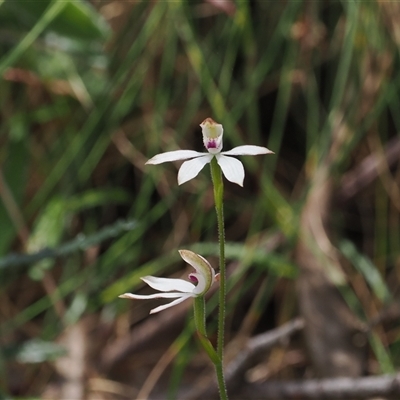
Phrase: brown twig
(387, 386)
(259, 344)
(247, 356)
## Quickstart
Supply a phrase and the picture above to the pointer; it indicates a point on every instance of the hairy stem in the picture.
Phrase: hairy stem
(200, 321)
(218, 184)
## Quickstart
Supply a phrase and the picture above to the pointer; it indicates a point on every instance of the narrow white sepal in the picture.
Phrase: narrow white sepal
(162, 295)
(190, 169)
(168, 305)
(247, 150)
(232, 169)
(168, 284)
(175, 155)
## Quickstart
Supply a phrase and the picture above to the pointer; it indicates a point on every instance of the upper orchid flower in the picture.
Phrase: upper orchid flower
(212, 138)
(171, 288)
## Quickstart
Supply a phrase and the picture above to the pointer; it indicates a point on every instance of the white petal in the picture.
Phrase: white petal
(232, 169)
(248, 150)
(205, 274)
(168, 284)
(162, 295)
(173, 156)
(190, 169)
(173, 303)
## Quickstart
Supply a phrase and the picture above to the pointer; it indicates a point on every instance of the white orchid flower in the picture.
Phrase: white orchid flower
(180, 289)
(212, 138)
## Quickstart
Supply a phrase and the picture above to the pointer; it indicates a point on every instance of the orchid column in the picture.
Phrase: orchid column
(232, 169)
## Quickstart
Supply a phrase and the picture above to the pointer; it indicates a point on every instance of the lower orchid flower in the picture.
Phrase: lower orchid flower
(212, 138)
(180, 289)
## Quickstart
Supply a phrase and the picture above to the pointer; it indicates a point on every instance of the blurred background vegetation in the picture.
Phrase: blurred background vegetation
(90, 90)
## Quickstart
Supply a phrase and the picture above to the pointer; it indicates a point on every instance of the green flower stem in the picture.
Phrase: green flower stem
(200, 321)
(199, 302)
(219, 368)
(218, 183)
(216, 175)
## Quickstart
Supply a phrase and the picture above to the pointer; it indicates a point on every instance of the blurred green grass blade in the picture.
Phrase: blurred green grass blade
(337, 109)
(50, 225)
(163, 90)
(80, 242)
(382, 227)
(77, 19)
(54, 9)
(97, 197)
(367, 269)
(34, 351)
(41, 305)
(47, 232)
(385, 98)
(15, 174)
(243, 23)
(198, 62)
(225, 80)
(107, 113)
(268, 56)
(132, 281)
(124, 251)
(73, 283)
(182, 359)
(257, 258)
(120, 108)
(382, 355)
(282, 105)
(80, 20)
(352, 300)
(246, 283)
(278, 208)
(189, 112)
(346, 55)
(77, 308)
(313, 118)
